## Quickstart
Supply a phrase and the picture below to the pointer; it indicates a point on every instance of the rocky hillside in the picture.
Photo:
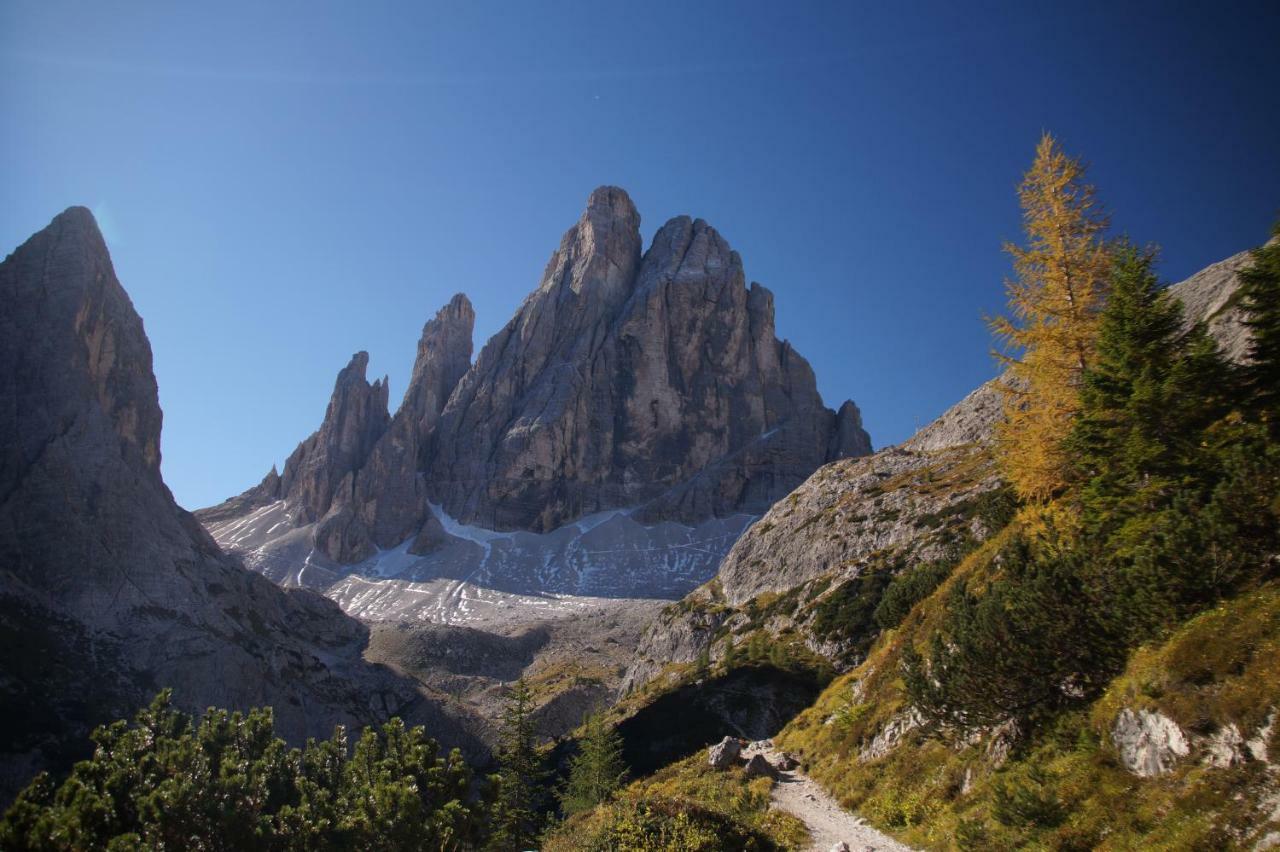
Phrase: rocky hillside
(816, 564)
(110, 591)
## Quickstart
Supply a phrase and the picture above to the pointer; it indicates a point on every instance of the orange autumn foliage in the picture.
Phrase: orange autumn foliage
(1054, 301)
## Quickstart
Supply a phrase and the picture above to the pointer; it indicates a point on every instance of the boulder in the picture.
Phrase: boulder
(724, 754)
(759, 766)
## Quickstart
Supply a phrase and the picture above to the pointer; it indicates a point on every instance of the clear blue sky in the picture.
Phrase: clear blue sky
(284, 184)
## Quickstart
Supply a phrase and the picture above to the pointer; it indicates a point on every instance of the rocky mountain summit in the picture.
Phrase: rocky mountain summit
(649, 380)
(110, 591)
(631, 391)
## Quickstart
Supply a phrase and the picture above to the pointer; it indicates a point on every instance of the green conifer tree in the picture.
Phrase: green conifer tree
(1260, 298)
(1147, 398)
(597, 770)
(517, 815)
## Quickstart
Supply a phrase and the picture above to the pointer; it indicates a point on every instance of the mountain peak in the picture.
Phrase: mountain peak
(355, 419)
(444, 355)
(87, 327)
(612, 202)
(357, 366)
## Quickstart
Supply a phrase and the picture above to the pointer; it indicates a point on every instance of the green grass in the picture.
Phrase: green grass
(1065, 789)
(686, 806)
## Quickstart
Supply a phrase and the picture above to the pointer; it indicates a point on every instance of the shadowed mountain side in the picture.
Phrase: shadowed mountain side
(109, 590)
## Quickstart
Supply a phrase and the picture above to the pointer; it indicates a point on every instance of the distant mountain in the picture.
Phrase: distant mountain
(109, 591)
(613, 439)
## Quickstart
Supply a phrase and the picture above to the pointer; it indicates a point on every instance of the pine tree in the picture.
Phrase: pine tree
(1148, 395)
(1034, 642)
(1260, 298)
(517, 816)
(230, 783)
(1054, 300)
(597, 770)
(732, 655)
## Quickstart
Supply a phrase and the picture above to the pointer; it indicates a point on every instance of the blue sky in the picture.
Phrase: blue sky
(284, 184)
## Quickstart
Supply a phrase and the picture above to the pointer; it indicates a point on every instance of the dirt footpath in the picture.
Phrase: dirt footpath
(828, 823)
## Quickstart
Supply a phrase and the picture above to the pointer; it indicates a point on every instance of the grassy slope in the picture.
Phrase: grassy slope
(689, 806)
(1065, 789)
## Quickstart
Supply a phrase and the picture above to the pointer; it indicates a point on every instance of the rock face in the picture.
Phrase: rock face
(113, 589)
(356, 479)
(356, 418)
(1209, 297)
(388, 501)
(626, 380)
(648, 382)
(1149, 744)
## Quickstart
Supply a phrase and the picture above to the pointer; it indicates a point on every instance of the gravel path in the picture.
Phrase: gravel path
(828, 823)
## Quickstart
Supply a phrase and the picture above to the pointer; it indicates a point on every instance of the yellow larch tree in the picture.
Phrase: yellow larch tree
(1055, 298)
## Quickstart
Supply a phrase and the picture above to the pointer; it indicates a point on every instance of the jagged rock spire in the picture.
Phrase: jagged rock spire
(353, 422)
(652, 381)
(444, 355)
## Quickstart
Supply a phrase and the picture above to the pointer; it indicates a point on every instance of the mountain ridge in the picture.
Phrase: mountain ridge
(650, 382)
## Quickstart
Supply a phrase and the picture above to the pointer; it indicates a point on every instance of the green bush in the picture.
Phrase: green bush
(165, 782)
(908, 589)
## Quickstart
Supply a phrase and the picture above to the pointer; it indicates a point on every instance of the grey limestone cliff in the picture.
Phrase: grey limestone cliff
(650, 381)
(110, 591)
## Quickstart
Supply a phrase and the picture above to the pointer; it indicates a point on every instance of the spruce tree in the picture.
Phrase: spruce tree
(1260, 298)
(597, 770)
(1148, 395)
(1054, 299)
(517, 815)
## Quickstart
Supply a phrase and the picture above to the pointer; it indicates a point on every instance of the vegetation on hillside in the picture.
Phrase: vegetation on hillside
(227, 783)
(687, 806)
(1140, 574)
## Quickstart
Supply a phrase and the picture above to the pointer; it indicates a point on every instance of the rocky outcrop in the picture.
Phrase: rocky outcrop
(357, 479)
(113, 589)
(888, 737)
(444, 356)
(1225, 748)
(1149, 744)
(354, 421)
(388, 501)
(1209, 296)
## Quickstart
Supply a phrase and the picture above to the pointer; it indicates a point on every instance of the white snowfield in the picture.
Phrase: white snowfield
(481, 577)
